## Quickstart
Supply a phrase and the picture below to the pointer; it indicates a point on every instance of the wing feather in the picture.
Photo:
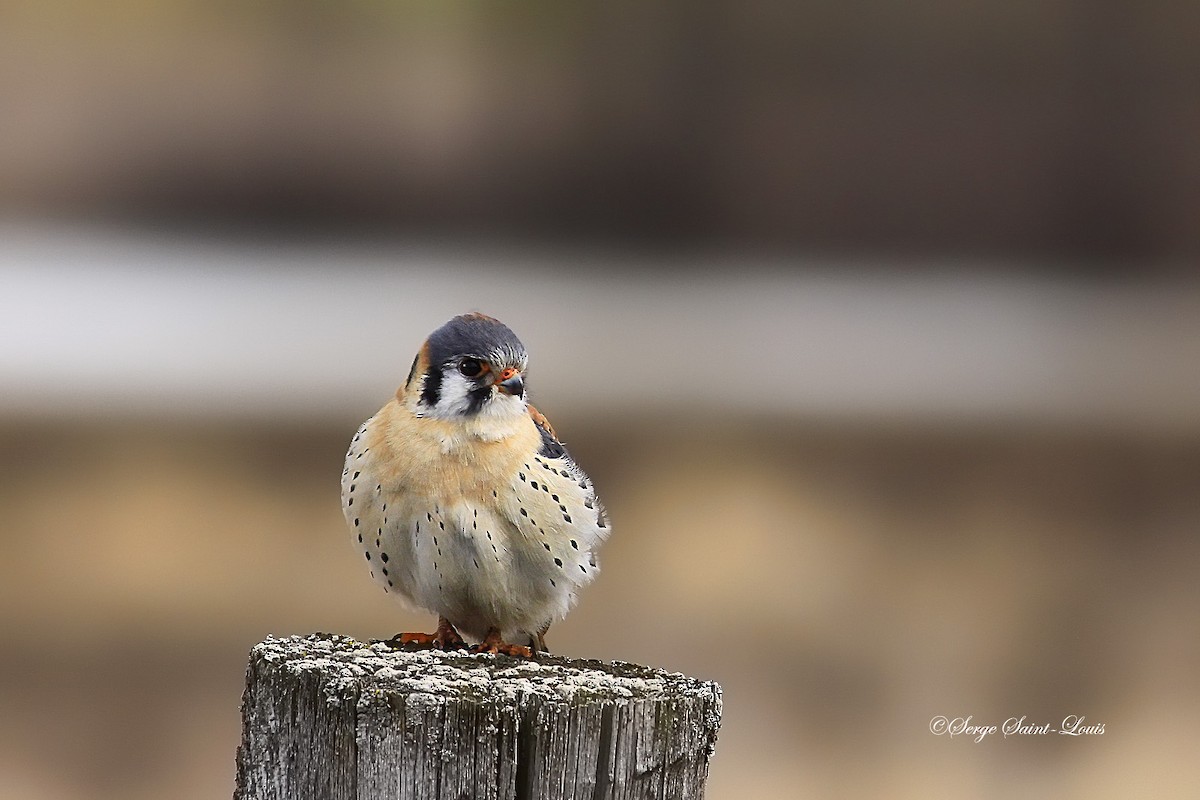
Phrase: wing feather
(555, 452)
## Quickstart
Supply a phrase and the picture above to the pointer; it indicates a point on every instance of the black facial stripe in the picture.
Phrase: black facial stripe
(432, 391)
(412, 371)
(477, 397)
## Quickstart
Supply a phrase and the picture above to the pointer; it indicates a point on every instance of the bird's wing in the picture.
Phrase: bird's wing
(554, 454)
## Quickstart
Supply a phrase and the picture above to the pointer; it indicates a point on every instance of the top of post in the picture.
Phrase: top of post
(347, 666)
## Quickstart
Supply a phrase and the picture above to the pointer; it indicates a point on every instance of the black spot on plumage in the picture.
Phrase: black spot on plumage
(489, 534)
(385, 572)
(554, 497)
(390, 583)
(494, 493)
(441, 525)
(360, 538)
(378, 543)
(429, 516)
(533, 484)
(476, 562)
(583, 569)
(524, 513)
(350, 502)
(356, 477)
(562, 508)
(383, 557)
(431, 392)
(368, 555)
(356, 522)
(552, 583)
(558, 562)
(546, 546)
(521, 475)
(574, 544)
(566, 517)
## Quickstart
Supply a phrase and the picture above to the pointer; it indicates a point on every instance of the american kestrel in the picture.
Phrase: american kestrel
(463, 501)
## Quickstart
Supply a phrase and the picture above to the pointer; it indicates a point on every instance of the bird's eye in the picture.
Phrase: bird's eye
(471, 367)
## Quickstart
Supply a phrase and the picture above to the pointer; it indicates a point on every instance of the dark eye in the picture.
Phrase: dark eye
(471, 367)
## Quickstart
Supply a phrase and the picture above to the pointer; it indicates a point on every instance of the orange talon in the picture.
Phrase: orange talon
(446, 638)
(492, 643)
(421, 639)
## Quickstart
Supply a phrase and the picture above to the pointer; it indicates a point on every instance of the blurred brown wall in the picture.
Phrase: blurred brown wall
(1057, 128)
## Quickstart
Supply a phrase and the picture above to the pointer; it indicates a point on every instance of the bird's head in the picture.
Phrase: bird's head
(471, 366)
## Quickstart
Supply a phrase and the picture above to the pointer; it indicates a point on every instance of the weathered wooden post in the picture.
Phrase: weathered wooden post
(328, 717)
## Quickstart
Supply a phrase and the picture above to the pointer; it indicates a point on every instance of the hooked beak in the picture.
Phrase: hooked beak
(509, 381)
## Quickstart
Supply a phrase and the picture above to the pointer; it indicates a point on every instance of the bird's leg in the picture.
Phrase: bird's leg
(492, 643)
(446, 638)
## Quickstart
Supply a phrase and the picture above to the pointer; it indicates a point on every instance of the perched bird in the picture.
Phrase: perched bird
(463, 501)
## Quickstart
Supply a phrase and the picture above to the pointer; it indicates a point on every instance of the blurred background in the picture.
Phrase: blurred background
(877, 326)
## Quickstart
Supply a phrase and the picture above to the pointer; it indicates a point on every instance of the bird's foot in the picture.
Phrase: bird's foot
(446, 638)
(492, 643)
